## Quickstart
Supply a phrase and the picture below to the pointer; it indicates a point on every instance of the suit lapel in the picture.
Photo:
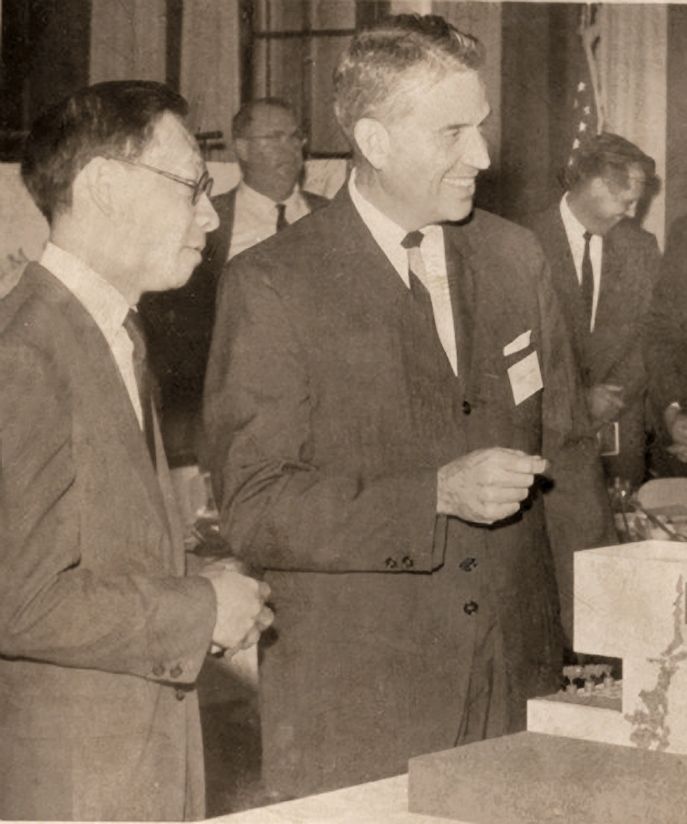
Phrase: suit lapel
(107, 386)
(224, 206)
(461, 281)
(554, 241)
(382, 284)
(565, 276)
(486, 322)
(612, 291)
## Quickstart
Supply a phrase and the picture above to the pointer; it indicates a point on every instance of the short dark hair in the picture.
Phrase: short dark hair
(382, 58)
(115, 118)
(244, 116)
(608, 156)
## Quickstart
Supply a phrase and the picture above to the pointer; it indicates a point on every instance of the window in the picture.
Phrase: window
(289, 50)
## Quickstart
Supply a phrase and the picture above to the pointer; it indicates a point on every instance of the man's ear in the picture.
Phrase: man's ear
(372, 139)
(598, 186)
(241, 149)
(97, 181)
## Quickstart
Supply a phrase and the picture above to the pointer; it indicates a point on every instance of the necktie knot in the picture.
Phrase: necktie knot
(587, 236)
(281, 216)
(134, 329)
(412, 240)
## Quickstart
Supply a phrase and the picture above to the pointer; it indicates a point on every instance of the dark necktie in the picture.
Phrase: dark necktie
(428, 293)
(281, 216)
(411, 243)
(134, 328)
(587, 281)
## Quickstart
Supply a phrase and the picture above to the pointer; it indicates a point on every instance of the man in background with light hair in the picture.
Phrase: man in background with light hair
(268, 144)
(603, 267)
(375, 410)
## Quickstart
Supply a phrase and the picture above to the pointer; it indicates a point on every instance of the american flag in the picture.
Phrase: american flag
(588, 106)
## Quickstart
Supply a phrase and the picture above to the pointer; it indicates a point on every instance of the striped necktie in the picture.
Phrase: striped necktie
(134, 328)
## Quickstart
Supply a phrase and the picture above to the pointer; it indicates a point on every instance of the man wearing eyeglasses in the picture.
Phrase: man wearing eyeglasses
(269, 148)
(268, 144)
(102, 635)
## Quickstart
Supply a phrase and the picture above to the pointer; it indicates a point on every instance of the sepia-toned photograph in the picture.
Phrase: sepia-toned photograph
(343, 411)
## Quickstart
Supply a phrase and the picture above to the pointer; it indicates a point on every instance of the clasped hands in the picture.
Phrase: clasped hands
(242, 613)
(487, 485)
(605, 401)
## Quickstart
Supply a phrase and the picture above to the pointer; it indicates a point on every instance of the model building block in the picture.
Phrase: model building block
(529, 778)
(597, 752)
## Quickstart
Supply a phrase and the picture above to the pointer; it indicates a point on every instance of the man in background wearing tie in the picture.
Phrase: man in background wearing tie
(102, 634)
(375, 413)
(604, 267)
(268, 144)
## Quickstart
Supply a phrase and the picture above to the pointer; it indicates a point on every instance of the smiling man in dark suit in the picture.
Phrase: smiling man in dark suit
(102, 635)
(604, 267)
(384, 391)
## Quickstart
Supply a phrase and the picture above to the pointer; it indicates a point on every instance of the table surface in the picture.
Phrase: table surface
(379, 802)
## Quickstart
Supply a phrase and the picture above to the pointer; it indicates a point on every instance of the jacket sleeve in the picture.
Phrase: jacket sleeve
(52, 609)
(665, 331)
(630, 370)
(278, 508)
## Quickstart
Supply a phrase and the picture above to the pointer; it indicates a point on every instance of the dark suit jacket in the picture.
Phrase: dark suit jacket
(179, 327)
(613, 352)
(330, 405)
(666, 341)
(101, 635)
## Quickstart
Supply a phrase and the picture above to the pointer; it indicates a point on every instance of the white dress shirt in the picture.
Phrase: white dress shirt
(255, 216)
(105, 305)
(389, 236)
(575, 234)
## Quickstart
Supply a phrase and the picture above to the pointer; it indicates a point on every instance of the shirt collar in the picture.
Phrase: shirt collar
(385, 231)
(573, 228)
(106, 305)
(263, 203)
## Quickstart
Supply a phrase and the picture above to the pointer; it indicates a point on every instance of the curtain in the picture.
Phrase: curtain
(633, 57)
(210, 67)
(128, 40)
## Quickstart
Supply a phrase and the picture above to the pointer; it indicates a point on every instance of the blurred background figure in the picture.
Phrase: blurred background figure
(666, 356)
(604, 266)
(268, 145)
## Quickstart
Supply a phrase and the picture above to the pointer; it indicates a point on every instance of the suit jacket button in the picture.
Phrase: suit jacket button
(390, 563)
(158, 670)
(176, 671)
(468, 564)
(408, 562)
(179, 694)
(467, 409)
(470, 608)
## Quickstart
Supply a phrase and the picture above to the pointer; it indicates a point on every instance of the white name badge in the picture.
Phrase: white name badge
(521, 342)
(525, 378)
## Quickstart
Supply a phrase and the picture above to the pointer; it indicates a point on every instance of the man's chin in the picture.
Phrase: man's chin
(460, 212)
(180, 279)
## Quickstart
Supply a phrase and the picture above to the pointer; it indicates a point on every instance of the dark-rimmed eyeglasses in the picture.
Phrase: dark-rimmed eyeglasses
(279, 137)
(198, 187)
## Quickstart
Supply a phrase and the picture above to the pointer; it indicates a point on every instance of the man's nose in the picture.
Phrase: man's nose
(476, 150)
(206, 216)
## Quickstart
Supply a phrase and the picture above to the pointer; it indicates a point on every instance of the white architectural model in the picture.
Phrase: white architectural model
(629, 604)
